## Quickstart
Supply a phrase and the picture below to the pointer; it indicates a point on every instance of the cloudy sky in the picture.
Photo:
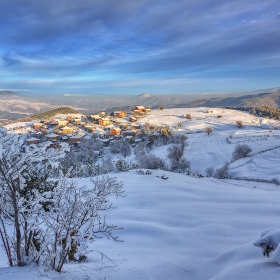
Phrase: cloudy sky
(139, 46)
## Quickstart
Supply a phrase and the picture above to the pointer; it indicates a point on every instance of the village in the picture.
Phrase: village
(74, 128)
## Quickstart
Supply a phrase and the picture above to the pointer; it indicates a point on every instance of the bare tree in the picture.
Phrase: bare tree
(188, 116)
(161, 107)
(208, 130)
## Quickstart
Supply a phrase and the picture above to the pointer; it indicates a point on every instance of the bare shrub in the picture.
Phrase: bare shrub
(188, 116)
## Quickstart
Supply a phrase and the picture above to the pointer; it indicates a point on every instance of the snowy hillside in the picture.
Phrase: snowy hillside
(180, 228)
(214, 150)
(183, 227)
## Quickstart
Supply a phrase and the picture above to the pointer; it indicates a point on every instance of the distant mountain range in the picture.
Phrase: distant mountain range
(270, 98)
(15, 106)
(8, 93)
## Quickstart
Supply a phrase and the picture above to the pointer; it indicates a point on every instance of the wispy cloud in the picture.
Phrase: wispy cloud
(92, 42)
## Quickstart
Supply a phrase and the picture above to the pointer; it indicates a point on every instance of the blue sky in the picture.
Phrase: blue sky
(139, 46)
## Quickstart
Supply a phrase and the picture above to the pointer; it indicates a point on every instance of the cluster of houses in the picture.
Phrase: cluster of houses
(73, 129)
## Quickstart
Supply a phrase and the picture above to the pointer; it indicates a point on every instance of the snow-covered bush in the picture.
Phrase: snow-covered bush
(75, 220)
(209, 171)
(150, 161)
(134, 165)
(184, 164)
(154, 162)
(142, 172)
(82, 168)
(269, 242)
(241, 151)
(140, 148)
(122, 166)
(174, 154)
(115, 146)
(125, 149)
(178, 139)
(222, 173)
(22, 193)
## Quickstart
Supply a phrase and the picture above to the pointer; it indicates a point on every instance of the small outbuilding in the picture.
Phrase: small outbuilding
(33, 140)
(75, 139)
(139, 108)
(129, 132)
(52, 137)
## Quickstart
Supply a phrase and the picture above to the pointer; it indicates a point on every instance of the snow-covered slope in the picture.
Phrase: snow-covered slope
(214, 150)
(180, 228)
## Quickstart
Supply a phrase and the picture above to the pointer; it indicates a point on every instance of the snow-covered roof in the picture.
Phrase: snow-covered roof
(66, 127)
(78, 136)
(32, 139)
(95, 116)
(104, 140)
(52, 135)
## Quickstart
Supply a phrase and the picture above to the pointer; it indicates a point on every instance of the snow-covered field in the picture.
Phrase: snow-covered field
(180, 228)
(213, 150)
(185, 227)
